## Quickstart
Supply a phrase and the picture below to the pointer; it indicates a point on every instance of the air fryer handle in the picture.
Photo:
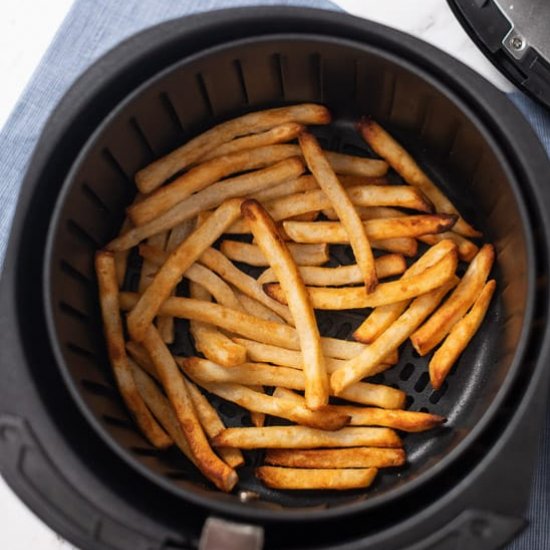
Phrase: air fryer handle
(41, 485)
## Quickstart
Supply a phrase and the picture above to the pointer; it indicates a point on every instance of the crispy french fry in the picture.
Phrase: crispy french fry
(140, 356)
(388, 148)
(386, 293)
(121, 258)
(211, 342)
(282, 263)
(466, 248)
(303, 437)
(328, 479)
(257, 419)
(339, 200)
(256, 308)
(378, 229)
(360, 366)
(350, 165)
(260, 402)
(443, 320)
(405, 245)
(386, 266)
(215, 193)
(354, 457)
(156, 173)
(460, 336)
(112, 329)
(251, 254)
(278, 134)
(407, 421)
(178, 234)
(265, 353)
(382, 317)
(212, 424)
(149, 269)
(244, 324)
(217, 471)
(177, 263)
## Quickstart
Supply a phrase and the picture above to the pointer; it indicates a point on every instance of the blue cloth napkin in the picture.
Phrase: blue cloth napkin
(94, 26)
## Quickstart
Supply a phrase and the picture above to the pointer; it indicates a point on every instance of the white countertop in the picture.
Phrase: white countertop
(26, 29)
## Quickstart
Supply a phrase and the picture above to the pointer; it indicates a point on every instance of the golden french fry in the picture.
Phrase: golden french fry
(257, 309)
(159, 171)
(140, 356)
(170, 274)
(257, 419)
(338, 198)
(251, 254)
(386, 293)
(464, 295)
(265, 353)
(378, 229)
(217, 471)
(407, 421)
(217, 191)
(362, 365)
(278, 134)
(354, 457)
(211, 342)
(149, 269)
(114, 337)
(178, 234)
(279, 258)
(466, 248)
(220, 264)
(388, 148)
(328, 479)
(212, 424)
(303, 437)
(121, 258)
(350, 165)
(161, 408)
(260, 402)
(386, 266)
(382, 317)
(405, 245)
(244, 324)
(460, 336)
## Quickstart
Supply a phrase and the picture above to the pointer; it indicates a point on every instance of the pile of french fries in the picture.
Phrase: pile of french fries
(257, 340)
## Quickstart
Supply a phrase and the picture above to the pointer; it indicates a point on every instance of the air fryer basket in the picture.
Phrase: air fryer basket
(65, 439)
(351, 79)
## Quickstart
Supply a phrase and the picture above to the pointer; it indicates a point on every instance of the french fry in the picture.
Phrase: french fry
(212, 424)
(378, 229)
(246, 325)
(303, 437)
(217, 471)
(466, 248)
(282, 263)
(338, 198)
(265, 353)
(251, 254)
(220, 264)
(121, 258)
(405, 245)
(149, 269)
(260, 402)
(458, 303)
(248, 374)
(388, 148)
(178, 234)
(354, 457)
(386, 266)
(159, 171)
(386, 293)
(362, 365)
(177, 263)
(459, 337)
(211, 342)
(112, 329)
(257, 309)
(217, 191)
(140, 356)
(278, 134)
(382, 317)
(349, 165)
(407, 421)
(328, 479)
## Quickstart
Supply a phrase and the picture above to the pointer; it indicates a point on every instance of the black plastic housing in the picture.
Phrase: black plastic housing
(114, 121)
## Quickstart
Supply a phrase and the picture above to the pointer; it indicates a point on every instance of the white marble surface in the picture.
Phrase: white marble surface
(28, 26)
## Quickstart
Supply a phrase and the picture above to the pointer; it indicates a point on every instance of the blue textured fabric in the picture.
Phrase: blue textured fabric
(94, 26)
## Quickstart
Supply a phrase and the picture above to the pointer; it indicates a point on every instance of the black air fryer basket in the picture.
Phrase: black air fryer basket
(67, 445)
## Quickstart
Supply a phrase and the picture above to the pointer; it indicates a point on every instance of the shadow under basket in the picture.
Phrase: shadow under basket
(455, 125)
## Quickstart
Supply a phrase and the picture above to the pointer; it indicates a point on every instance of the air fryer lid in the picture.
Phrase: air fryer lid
(515, 38)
